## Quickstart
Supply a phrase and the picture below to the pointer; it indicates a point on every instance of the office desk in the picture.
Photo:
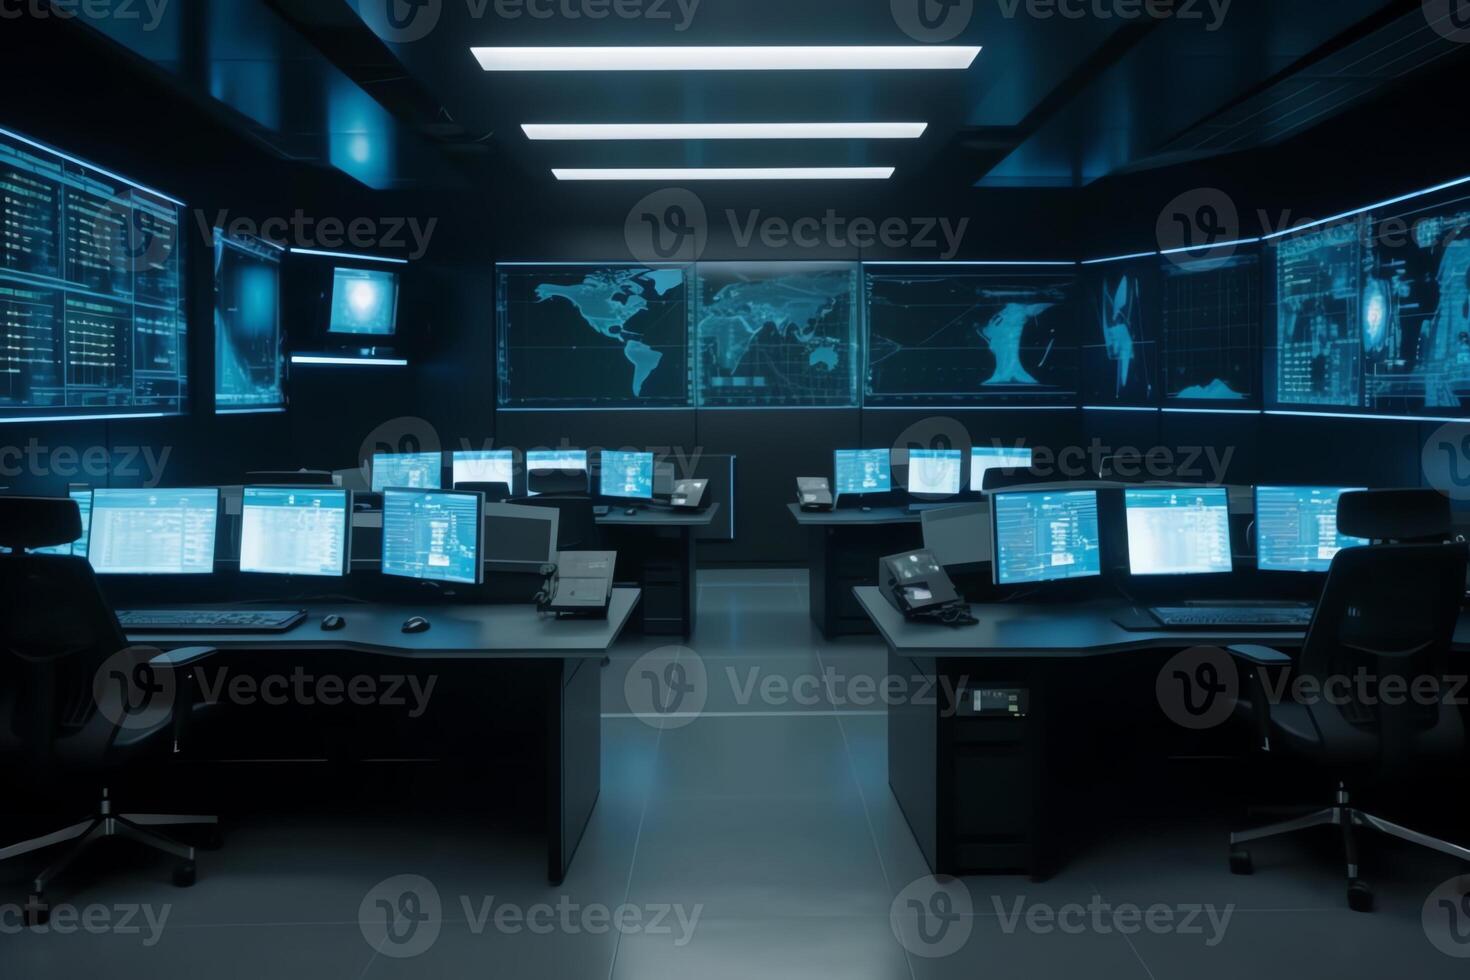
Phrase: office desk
(657, 549)
(843, 548)
(568, 654)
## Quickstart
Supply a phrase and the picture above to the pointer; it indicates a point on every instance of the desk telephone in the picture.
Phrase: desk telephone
(919, 587)
(814, 493)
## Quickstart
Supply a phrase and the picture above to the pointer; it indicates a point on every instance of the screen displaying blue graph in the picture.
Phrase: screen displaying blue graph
(294, 531)
(1211, 324)
(364, 302)
(939, 336)
(249, 360)
(777, 334)
(936, 472)
(1178, 532)
(1296, 528)
(1046, 537)
(153, 532)
(862, 471)
(627, 475)
(485, 466)
(1120, 335)
(417, 470)
(78, 548)
(433, 535)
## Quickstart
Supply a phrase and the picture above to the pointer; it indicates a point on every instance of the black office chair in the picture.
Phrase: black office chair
(1388, 613)
(576, 527)
(75, 698)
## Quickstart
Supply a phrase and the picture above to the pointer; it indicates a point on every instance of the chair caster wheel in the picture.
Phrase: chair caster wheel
(1240, 862)
(185, 874)
(37, 912)
(1359, 896)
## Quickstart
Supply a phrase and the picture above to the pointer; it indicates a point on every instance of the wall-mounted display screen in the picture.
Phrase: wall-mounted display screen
(91, 304)
(1120, 334)
(364, 303)
(943, 335)
(1211, 325)
(249, 360)
(776, 334)
(593, 336)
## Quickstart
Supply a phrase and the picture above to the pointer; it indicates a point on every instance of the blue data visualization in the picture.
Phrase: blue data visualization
(249, 357)
(153, 532)
(1046, 537)
(936, 472)
(295, 531)
(627, 475)
(862, 471)
(1296, 528)
(485, 466)
(433, 535)
(364, 302)
(416, 470)
(1120, 338)
(1211, 326)
(78, 548)
(1178, 531)
(983, 459)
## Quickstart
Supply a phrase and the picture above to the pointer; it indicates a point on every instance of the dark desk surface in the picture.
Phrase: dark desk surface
(1063, 631)
(481, 632)
(661, 518)
(851, 516)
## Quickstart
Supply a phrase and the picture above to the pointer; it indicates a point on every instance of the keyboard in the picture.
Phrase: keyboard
(1233, 617)
(209, 620)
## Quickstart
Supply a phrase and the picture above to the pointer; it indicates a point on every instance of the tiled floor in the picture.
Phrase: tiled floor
(752, 835)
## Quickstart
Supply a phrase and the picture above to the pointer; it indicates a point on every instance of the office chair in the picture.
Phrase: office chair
(998, 479)
(67, 697)
(576, 524)
(1388, 613)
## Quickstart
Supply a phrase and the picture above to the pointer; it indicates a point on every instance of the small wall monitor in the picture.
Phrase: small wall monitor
(418, 471)
(364, 303)
(861, 471)
(154, 532)
(935, 472)
(1045, 536)
(1296, 528)
(986, 458)
(485, 466)
(78, 548)
(434, 535)
(295, 531)
(627, 476)
(1178, 531)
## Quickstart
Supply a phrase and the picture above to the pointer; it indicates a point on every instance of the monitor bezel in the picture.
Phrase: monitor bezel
(602, 473)
(214, 557)
(479, 499)
(839, 492)
(1156, 576)
(346, 531)
(1256, 521)
(925, 495)
(368, 339)
(995, 538)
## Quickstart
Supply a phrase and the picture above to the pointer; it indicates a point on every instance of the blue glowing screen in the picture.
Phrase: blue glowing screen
(433, 535)
(1046, 537)
(294, 531)
(1178, 531)
(860, 471)
(153, 532)
(421, 471)
(365, 302)
(1296, 528)
(628, 475)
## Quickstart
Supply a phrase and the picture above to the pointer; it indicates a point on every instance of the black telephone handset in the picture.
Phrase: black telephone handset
(921, 589)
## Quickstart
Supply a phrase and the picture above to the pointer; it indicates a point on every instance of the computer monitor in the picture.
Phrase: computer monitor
(364, 303)
(1182, 531)
(1045, 536)
(861, 471)
(295, 531)
(78, 548)
(153, 532)
(418, 471)
(567, 462)
(935, 472)
(985, 458)
(519, 539)
(485, 466)
(627, 476)
(434, 535)
(1296, 528)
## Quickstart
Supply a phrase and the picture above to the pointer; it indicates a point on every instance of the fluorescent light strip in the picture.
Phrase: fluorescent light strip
(918, 262)
(272, 410)
(349, 255)
(724, 131)
(106, 173)
(1214, 411)
(724, 173)
(969, 408)
(1119, 258)
(364, 361)
(1372, 207)
(1118, 408)
(1209, 248)
(727, 58)
(91, 418)
(1359, 415)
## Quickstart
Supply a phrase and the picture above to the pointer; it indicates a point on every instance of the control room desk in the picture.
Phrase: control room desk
(843, 548)
(944, 765)
(657, 550)
(570, 650)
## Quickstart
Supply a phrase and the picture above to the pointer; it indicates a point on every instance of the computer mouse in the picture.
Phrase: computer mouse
(330, 623)
(631, 512)
(416, 625)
